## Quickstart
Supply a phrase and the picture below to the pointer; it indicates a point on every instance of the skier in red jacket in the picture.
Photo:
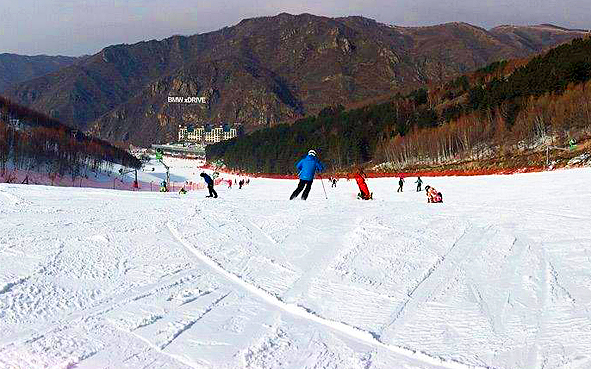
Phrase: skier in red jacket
(364, 191)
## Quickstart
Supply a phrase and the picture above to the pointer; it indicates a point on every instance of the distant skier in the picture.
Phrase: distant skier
(400, 184)
(163, 187)
(182, 191)
(364, 193)
(419, 183)
(240, 184)
(307, 168)
(209, 182)
(432, 195)
(334, 182)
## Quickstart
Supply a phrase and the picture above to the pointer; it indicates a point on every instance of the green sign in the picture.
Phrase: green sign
(572, 143)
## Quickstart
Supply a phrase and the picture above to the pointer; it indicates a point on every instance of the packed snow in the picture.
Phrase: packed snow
(498, 276)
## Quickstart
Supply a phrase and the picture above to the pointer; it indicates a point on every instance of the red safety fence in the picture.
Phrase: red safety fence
(457, 173)
(34, 178)
(432, 173)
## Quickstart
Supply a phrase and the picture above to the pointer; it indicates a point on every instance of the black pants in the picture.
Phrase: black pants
(419, 187)
(301, 185)
(212, 192)
(399, 188)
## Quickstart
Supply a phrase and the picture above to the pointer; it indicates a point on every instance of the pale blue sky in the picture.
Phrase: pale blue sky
(76, 27)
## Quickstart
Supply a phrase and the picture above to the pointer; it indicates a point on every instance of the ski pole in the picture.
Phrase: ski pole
(321, 181)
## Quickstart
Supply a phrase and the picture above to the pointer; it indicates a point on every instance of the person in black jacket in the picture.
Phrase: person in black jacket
(209, 182)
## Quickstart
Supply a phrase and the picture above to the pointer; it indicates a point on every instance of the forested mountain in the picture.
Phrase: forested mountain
(20, 68)
(264, 71)
(30, 140)
(502, 109)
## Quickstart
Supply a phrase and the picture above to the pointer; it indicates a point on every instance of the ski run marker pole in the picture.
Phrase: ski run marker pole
(321, 181)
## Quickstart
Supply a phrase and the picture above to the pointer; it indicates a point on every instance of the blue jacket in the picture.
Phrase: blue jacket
(207, 179)
(308, 166)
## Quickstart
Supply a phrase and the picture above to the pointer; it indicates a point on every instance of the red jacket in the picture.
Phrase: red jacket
(362, 185)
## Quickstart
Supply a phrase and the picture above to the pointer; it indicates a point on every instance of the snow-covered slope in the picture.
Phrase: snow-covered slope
(499, 276)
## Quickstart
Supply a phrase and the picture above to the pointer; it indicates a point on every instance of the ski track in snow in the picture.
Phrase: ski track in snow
(302, 312)
(437, 274)
(13, 199)
(94, 278)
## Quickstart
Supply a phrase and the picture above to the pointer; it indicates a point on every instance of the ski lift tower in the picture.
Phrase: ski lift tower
(159, 156)
(135, 182)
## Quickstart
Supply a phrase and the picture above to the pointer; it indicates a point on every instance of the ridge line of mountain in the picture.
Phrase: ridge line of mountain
(264, 71)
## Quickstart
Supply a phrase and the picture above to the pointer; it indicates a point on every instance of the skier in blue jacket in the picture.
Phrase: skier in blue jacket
(307, 167)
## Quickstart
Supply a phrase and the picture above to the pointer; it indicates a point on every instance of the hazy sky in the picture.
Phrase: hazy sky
(76, 27)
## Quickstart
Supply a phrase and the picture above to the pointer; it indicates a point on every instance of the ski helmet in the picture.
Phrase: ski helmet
(312, 152)
(427, 187)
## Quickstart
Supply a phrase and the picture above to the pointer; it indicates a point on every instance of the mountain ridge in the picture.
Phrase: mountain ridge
(15, 68)
(262, 71)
